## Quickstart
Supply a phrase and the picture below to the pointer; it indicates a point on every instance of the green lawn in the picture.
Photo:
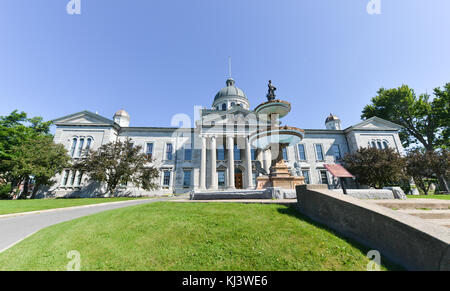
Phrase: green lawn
(188, 236)
(16, 206)
(445, 197)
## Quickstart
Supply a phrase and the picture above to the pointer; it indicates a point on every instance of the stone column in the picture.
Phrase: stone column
(214, 182)
(267, 160)
(230, 149)
(248, 164)
(203, 165)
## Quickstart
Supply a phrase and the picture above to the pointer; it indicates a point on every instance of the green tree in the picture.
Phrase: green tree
(425, 122)
(376, 168)
(37, 157)
(119, 162)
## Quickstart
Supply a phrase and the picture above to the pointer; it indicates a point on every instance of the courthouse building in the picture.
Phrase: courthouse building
(216, 153)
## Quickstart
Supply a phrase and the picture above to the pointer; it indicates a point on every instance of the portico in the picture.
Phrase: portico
(225, 151)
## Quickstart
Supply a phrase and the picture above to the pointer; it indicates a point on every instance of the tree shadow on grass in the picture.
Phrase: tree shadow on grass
(292, 211)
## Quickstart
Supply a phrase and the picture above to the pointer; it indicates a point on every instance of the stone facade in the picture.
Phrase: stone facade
(186, 161)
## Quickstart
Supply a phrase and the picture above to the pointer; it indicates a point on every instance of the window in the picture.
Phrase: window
(319, 152)
(285, 155)
(88, 144)
(149, 150)
(336, 152)
(301, 152)
(254, 178)
(169, 154)
(80, 146)
(224, 107)
(385, 144)
(72, 178)
(323, 177)
(166, 178)
(188, 154)
(221, 153)
(80, 178)
(373, 144)
(221, 178)
(379, 145)
(237, 153)
(253, 153)
(305, 174)
(187, 178)
(65, 177)
(73, 147)
(233, 103)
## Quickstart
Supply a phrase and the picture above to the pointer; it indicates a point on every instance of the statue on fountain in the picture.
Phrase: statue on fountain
(271, 92)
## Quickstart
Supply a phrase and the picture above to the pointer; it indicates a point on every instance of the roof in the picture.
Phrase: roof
(230, 91)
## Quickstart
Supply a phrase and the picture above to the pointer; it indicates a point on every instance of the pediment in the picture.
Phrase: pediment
(83, 118)
(375, 123)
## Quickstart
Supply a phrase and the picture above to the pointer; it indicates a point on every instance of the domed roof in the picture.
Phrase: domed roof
(122, 113)
(331, 118)
(230, 91)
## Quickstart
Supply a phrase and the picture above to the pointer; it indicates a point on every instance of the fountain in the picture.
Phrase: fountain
(275, 138)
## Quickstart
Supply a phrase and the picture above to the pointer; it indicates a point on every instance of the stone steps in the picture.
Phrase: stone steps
(415, 203)
(443, 222)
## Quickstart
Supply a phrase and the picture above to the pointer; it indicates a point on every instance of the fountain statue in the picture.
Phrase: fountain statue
(275, 138)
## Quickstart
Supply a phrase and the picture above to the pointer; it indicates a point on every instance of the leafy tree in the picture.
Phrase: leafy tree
(37, 157)
(376, 168)
(424, 121)
(119, 162)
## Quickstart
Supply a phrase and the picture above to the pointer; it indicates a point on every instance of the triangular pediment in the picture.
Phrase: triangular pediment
(375, 123)
(83, 118)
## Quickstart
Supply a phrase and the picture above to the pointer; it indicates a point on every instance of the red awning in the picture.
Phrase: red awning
(338, 171)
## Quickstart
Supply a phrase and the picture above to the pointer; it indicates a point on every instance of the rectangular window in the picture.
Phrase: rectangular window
(65, 178)
(301, 152)
(72, 178)
(285, 155)
(319, 152)
(80, 147)
(254, 178)
(80, 178)
(253, 152)
(187, 178)
(221, 154)
(166, 178)
(336, 152)
(323, 177)
(188, 153)
(237, 153)
(221, 177)
(169, 152)
(305, 174)
(149, 150)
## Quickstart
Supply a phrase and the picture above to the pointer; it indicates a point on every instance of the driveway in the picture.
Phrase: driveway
(16, 228)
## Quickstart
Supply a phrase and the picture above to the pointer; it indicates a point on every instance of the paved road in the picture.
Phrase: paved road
(16, 228)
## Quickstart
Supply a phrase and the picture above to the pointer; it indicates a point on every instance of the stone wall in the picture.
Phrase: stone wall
(407, 240)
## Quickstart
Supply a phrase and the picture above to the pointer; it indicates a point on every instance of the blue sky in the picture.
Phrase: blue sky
(161, 57)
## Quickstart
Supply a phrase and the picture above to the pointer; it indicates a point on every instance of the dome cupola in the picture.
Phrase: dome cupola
(230, 96)
(122, 118)
(333, 122)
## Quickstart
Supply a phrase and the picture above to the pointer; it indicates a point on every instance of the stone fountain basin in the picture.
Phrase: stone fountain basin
(282, 135)
(280, 107)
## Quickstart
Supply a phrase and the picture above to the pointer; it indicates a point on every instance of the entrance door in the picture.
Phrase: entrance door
(238, 180)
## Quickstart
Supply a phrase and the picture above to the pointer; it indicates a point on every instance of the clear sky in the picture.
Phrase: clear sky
(156, 58)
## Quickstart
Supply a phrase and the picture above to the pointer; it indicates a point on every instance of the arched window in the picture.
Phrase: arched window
(80, 146)
(88, 144)
(373, 144)
(73, 147)
(385, 144)
(224, 106)
(379, 145)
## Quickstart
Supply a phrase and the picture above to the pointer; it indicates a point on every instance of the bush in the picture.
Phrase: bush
(5, 191)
